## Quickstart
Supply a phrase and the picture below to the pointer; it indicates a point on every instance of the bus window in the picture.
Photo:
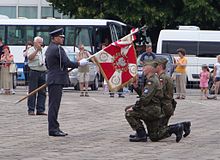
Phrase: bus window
(19, 35)
(114, 35)
(43, 31)
(209, 49)
(119, 32)
(69, 35)
(101, 35)
(2, 33)
(82, 37)
(171, 46)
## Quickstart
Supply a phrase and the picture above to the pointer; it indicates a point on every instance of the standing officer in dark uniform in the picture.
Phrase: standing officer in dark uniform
(57, 64)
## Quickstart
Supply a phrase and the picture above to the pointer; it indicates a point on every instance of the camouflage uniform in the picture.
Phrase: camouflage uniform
(155, 108)
(158, 128)
(147, 108)
(167, 102)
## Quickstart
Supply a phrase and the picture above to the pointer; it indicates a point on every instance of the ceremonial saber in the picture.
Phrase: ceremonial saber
(35, 91)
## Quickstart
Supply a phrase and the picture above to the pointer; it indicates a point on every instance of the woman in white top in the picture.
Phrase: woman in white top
(216, 75)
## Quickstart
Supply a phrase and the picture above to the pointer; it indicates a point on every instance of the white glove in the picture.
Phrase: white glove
(83, 62)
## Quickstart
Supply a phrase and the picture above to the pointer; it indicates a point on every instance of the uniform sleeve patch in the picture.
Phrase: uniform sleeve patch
(149, 83)
(145, 91)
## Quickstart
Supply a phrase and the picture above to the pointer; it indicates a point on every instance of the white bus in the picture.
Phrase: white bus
(202, 47)
(90, 32)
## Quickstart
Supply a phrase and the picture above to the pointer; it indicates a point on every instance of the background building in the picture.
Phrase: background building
(29, 9)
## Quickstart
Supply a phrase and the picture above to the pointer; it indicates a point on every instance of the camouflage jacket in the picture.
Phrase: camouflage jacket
(167, 100)
(151, 95)
(167, 86)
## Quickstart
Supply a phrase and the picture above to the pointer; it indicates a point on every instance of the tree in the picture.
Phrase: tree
(156, 14)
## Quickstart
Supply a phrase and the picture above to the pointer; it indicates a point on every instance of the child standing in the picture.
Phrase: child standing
(204, 79)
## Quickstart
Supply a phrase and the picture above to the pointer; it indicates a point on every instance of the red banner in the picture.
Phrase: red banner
(118, 63)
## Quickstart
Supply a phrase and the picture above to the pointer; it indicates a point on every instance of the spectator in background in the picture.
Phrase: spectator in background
(120, 94)
(216, 76)
(26, 67)
(148, 54)
(83, 71)
(6, 77)
(140, 48)
(37, 78)
(204, 80)
(180, 71)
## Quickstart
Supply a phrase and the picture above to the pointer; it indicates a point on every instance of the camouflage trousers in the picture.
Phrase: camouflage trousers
(158, 129)
(156, 126)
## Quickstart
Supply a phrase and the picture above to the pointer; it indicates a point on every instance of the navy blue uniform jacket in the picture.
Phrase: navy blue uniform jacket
(57, 64)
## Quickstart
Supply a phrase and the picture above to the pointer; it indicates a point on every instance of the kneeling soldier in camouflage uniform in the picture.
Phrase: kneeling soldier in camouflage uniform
(168, 105)
(148, 107)
(156, 124)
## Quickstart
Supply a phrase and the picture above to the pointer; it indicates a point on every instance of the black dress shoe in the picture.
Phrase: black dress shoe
(63, 133)
(57, 134)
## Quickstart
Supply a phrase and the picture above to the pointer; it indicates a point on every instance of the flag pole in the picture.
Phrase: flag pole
(130, 34)
(35, 91)
(32, 93)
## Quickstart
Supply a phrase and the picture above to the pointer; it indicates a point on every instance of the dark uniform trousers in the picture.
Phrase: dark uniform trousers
(55, 94)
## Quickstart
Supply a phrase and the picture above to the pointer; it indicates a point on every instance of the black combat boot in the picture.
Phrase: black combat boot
(177, 129)
(140, 136)
(134, 135)
(186, 128)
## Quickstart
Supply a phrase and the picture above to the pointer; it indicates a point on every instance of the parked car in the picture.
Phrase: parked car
(169, 67)
(94, 74)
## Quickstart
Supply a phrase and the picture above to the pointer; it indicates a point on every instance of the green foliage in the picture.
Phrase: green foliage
(156, 14)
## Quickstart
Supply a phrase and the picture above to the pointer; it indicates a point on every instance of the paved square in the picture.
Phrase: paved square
(98, 130)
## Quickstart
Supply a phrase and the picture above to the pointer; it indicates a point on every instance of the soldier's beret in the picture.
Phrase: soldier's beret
(57, 32)
(152, 63)
(161, 60)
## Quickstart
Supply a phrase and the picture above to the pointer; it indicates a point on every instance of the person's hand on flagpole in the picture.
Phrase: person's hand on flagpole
(83, 62)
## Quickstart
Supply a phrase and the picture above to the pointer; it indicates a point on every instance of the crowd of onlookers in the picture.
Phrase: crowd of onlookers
(180, 69)
(145, 50)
